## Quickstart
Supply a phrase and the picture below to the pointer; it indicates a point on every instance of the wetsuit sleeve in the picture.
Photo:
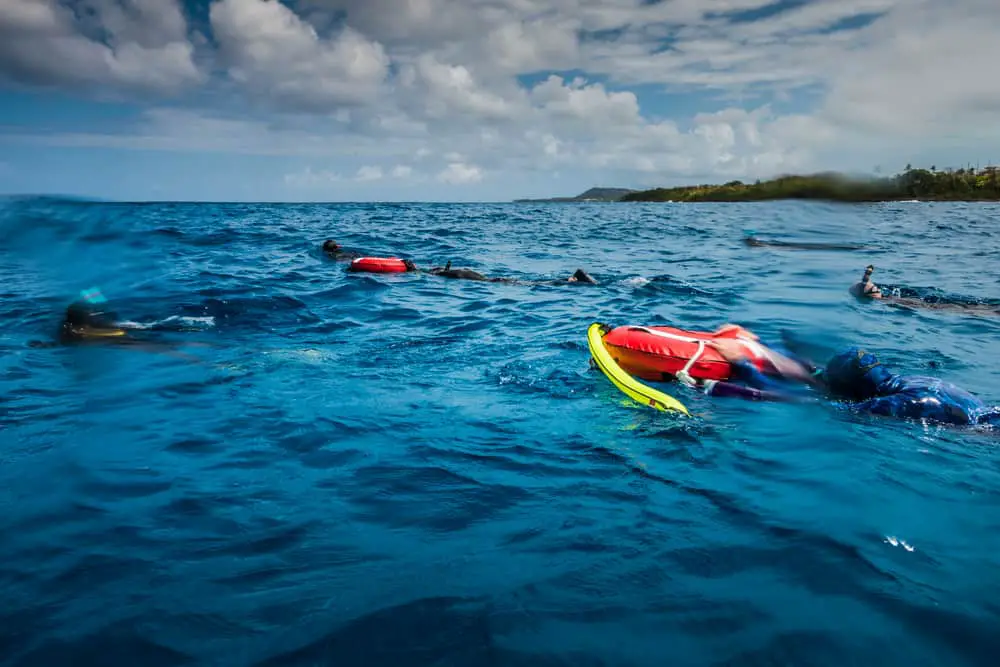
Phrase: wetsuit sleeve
(731, 390)
(749, 383)
(746, 373)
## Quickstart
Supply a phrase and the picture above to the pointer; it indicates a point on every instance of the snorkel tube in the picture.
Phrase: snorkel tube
(92, 295)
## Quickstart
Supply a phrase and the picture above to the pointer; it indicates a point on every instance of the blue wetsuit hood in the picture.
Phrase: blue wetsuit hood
(856, 374)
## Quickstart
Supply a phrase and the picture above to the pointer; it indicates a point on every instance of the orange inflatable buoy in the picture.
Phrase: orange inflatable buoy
(659, 353)
(378, 265)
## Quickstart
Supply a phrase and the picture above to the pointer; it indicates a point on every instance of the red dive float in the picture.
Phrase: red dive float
(378, 265)
(660, 353)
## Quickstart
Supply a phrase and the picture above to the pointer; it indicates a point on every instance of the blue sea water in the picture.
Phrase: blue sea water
(345, 469)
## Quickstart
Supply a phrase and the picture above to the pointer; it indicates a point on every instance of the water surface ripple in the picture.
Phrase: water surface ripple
(408, 470)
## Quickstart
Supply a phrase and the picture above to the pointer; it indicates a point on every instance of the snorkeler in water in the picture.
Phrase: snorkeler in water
(579, 276)
(89, 320)
(866, 289)
(753, 241)
(856, 377)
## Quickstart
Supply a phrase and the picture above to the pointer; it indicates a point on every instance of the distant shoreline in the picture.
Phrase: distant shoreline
(961, 185)
(591, 195)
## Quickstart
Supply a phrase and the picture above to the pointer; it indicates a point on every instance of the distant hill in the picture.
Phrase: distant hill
(593, 194)
(967, 184)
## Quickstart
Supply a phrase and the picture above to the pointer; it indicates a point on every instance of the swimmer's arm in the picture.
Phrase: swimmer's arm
(792, 367)
(753, 385)
(731, 390)
(746, 373)
(786, 366)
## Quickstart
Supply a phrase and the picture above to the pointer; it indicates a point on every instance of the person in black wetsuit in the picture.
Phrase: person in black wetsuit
(754, 242)
(579, 276)
(336, 251)
(866, 289)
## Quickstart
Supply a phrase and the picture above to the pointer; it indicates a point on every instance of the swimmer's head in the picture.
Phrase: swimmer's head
(581, 276)
(855, 374)
(410, 266)
(85, 320)
(866, 291)
(865, 288)
(330, 245)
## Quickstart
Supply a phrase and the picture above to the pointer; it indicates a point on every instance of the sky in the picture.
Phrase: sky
(483, 100)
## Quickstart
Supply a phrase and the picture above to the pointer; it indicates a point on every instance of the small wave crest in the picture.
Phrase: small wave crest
(177, 322)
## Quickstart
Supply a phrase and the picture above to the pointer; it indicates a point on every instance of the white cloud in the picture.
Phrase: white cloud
(307, 178)
(458, 173)
(277, 55)
(533, 45)
(921, 77)
(590, 105)
(368, 173)
(443, 91)
(371, 87)
(135, 45)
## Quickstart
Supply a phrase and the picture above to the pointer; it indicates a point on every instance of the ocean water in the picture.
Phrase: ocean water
(342, 469)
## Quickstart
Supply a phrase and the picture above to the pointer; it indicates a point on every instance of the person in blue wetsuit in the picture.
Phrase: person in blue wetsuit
(857, 377)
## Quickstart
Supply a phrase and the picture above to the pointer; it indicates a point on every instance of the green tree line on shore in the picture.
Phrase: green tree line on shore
(966, 184)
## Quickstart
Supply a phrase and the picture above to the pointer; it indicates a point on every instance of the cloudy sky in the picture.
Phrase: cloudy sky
(456, 100)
